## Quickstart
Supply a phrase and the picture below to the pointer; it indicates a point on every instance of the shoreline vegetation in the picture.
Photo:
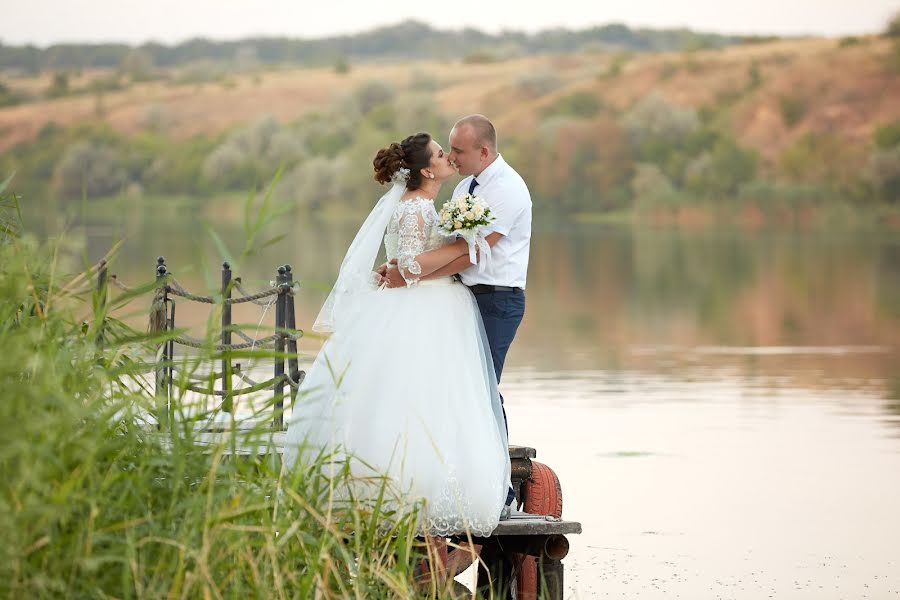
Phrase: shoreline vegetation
(689, 130)
(95, 502)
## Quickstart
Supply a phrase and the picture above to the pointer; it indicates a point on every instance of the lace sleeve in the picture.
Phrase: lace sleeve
(411, 243)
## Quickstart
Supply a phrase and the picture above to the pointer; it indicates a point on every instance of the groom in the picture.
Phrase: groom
(500, 288)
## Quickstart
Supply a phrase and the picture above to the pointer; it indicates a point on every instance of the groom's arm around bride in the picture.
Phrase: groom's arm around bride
(473, 145)
(499, 288)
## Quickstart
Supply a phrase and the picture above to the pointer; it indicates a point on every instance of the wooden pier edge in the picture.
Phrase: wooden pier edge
(540, 536)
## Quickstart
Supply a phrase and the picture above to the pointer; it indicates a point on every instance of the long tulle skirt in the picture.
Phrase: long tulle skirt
(406, 389)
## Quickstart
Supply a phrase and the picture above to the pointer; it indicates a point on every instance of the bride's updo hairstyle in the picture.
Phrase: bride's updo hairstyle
(413, 153)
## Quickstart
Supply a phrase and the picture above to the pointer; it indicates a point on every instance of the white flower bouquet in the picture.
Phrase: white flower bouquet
(466, 217)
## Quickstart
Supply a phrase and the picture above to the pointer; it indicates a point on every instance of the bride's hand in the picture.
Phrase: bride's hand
(394, 278)
(382, 270)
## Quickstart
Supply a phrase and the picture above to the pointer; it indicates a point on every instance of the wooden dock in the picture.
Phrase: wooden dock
(524, 552)
(522, 558)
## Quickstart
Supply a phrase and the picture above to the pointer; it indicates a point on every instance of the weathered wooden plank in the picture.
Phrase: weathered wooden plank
(522, 452)
(521, 524)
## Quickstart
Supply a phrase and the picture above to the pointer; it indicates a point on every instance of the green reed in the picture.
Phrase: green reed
(95, 502)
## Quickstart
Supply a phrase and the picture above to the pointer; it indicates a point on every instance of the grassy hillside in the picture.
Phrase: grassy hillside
(815, 115)
(851, 89)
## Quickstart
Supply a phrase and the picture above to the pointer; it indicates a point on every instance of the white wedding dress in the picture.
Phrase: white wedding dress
(406, 386)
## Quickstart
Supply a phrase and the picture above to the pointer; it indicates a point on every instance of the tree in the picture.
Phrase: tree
(654, 118)
(884, 174)
(138, 65)
(341, 66)
(59, 86)
(90, 169)
(371, 94)
(720, 172)
(893, 27)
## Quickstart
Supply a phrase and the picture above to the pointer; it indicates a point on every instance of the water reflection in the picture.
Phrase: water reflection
(720, 486)
(725, 405)
(813, 306)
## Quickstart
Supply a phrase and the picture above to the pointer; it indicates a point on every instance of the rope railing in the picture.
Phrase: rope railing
(114, 279)
(280, 294)
(301, 375)
(178, 374)
(243, 336)
(243, 376)
(258, 387)
(248, 297)
(176, 289)
(79, 291)
(260, 343)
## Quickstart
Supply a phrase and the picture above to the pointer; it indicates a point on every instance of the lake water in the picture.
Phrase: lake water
(722, 407)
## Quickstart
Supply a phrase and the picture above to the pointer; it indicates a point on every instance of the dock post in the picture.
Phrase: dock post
(278, 388)
(159, 323)
(100, 299)
(227, 399)
(291, 321)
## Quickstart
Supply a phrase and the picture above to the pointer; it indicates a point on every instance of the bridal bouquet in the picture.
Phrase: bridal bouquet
(465, 214)
(466, 217)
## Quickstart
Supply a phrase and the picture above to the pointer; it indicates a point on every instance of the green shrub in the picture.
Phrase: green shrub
(754, 76)
(792, 109)
(616, 65)
(581, 105)
(9, 97)
(720, 172)
(341, 66)
(888, 136)
(372, 94)
(88, 169)
(252, 154)
(480, 57)
(668, 70)
(654, 119)
(893, 27)
(59, 86)
(883, 172)
(537, 83)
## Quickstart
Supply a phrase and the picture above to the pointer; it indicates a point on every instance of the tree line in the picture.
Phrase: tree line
(398, 41)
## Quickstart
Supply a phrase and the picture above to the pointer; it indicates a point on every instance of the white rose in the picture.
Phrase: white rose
(461, 204)
(478, 210)
(470, 215)
(457, 225)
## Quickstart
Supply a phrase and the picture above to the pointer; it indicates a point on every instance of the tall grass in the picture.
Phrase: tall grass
(96, 504)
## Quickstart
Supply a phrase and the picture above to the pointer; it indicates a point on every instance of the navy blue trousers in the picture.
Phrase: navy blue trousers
(501, 313)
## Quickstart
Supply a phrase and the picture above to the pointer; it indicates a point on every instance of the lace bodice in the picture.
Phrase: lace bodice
(412, 230)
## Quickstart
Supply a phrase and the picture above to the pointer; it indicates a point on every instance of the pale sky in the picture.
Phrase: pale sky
(43, 22)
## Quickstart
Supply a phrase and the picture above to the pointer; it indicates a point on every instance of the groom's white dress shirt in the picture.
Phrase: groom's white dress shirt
(505, 192)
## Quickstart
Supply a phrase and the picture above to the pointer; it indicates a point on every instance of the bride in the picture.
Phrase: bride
(405, 386)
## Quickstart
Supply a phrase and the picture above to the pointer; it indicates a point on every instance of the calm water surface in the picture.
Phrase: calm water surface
(723, 408)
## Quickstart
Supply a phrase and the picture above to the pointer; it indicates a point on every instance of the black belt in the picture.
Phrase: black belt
(480, 288)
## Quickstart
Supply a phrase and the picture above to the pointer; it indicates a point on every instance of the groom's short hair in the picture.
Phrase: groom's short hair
(485, 134)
